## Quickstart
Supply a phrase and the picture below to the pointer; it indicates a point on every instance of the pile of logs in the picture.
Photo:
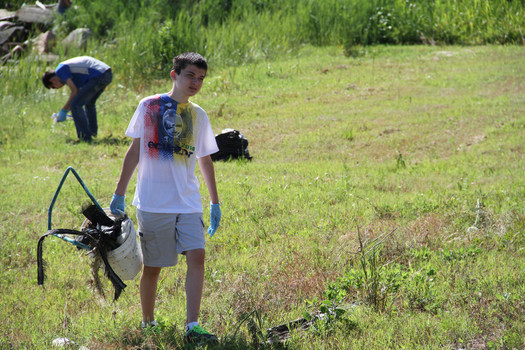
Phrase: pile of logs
(16, 28)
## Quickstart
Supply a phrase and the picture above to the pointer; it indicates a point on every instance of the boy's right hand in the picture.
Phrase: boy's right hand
(117, 204)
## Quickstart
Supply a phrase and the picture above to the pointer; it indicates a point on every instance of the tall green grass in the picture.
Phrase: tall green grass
(139, 38)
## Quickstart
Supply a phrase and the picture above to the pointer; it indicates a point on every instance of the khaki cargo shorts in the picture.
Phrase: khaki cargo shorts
(163, 236)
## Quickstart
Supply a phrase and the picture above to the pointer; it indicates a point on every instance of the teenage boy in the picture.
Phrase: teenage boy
(87, 78)
(169, 134)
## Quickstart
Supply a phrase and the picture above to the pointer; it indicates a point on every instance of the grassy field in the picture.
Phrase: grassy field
(386, 192)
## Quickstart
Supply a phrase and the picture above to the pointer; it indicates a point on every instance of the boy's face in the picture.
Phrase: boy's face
(189, 81)
(56, 82)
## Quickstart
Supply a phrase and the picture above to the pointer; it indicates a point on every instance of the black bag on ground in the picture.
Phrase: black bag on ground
(232, 145)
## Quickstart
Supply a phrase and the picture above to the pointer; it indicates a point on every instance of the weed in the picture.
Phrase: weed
(348, 135)
(374, 283)
(400, 161)
(460, 253)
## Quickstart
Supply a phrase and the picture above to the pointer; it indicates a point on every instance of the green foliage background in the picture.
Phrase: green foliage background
(229, 32)
(236, 31)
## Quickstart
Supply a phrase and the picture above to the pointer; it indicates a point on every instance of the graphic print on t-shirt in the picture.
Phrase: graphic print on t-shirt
(168, 129)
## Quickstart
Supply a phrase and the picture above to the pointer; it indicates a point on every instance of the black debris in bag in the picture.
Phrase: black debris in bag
(232, 145)
(101, 226)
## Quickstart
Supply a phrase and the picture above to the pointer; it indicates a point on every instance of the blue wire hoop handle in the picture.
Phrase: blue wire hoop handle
(50, 210)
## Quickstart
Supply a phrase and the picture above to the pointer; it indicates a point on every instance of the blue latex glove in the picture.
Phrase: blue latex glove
(62, 115)
(215, 218)
(117, 204)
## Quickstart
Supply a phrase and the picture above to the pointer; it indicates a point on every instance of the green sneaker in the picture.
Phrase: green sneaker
(197, 335)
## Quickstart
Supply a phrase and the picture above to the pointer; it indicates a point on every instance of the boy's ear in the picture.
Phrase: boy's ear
(172, 74)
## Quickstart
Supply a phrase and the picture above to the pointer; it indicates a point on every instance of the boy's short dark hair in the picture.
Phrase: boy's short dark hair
(185, 59)
(46, 79)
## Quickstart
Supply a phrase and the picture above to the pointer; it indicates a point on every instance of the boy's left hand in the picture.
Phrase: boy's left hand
(215, 218)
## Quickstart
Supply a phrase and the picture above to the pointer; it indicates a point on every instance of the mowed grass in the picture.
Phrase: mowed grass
(403, 141)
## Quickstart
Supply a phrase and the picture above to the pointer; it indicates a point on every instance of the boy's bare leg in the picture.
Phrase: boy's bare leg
(194, 283)
(148, 291)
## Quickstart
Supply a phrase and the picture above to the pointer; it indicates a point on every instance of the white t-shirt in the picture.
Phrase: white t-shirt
(172, 136)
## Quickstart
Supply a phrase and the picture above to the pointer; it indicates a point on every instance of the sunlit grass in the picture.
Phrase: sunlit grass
(399, 138)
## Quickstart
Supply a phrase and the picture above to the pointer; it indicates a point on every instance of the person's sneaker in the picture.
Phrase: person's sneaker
(151, 327)
(197, 335)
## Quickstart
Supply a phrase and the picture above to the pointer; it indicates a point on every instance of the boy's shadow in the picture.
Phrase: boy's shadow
(108, 140)
(112, 140)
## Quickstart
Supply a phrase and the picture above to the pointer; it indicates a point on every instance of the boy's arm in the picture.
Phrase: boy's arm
(208, 173)
(131, 159)
(74, 92)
